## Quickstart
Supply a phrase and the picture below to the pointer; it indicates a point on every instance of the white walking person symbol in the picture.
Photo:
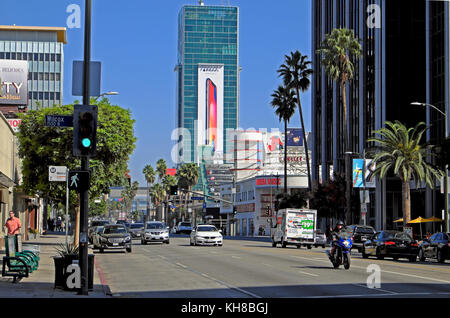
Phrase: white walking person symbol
(74, 180)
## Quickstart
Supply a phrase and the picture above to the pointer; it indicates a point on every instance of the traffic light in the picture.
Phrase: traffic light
(234, 211)
(268, 211)
(85, 130)
(173, 190)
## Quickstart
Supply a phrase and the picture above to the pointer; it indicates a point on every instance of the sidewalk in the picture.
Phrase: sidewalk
(40, 283)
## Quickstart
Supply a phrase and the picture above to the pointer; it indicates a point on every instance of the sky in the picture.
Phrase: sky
(136, 41)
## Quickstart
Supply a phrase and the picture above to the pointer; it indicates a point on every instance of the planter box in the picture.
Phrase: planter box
(61, 264)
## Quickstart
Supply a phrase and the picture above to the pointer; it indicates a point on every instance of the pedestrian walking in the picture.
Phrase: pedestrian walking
(13, 224)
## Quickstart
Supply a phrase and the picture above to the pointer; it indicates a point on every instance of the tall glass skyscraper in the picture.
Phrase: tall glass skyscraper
(406, 54)
(208, 40)
(42, 47)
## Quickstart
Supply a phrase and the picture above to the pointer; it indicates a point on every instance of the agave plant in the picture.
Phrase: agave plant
(68, 249)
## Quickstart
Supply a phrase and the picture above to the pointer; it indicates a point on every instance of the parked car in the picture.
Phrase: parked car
(93, 231)
(155, 232)
(184, 227)
(321, 239)
(393, 244)
(360, 234)
(437, 247)
(123, 222)
(93, 226)
(135, 230)
(113, 236)
(206, 235)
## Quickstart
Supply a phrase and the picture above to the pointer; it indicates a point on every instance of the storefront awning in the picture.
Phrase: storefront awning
(5, 181)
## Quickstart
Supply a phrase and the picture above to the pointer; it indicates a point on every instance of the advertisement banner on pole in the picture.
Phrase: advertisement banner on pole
(13, 82)
(210, 106)
(370, 167)
(358, 179)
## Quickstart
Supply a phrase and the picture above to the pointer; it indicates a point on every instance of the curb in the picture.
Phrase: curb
(106, 289)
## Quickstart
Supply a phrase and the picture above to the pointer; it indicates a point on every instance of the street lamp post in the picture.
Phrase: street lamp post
(107, 93)
(446, 216)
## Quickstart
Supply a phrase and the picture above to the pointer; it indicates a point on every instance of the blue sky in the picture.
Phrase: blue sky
(136, 41)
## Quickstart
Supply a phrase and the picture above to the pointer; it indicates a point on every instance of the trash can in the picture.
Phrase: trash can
(61, 275)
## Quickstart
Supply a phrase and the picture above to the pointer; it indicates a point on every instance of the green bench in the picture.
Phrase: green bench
(18, 263)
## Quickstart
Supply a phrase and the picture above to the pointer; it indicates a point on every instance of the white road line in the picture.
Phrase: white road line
(372, 295)
(314, 275)
(236, 257)
(181, 265)
(377, 289)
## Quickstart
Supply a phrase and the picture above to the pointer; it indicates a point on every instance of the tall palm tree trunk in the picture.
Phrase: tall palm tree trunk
(304, 139)
(348, 179)
(285, 156)
(406, 202)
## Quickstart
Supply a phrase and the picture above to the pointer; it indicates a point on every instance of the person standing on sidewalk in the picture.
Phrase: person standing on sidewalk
(13, 224)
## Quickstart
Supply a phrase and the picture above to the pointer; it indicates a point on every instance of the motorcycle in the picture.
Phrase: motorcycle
(342, 252)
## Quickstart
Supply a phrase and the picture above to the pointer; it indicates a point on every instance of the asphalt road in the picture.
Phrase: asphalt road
(252, 269)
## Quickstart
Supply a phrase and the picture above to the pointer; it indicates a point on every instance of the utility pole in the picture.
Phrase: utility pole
(84, 196)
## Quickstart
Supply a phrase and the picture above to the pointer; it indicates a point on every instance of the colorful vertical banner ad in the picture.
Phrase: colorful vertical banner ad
(358, 176)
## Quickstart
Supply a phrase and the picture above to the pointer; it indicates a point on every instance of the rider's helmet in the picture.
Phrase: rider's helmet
(340, 225)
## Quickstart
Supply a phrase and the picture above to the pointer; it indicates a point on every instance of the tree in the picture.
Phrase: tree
(158, 193)
(296, 73)
(161, 169)
(41, 147)
(399, 149)
(297, 200)
(284, 103)
(167, 182)
(128, 194)
(187, 176)
(337, 50)
(149, 174)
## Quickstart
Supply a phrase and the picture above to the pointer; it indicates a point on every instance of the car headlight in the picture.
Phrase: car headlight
(127, 238)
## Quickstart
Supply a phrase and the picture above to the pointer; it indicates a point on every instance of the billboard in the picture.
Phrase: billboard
(294, 137)
(13, 82)
(358, 176)
(210, 106)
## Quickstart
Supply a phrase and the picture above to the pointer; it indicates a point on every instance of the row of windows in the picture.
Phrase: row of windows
(44, 95)
(211, 22)
(245, 196)
(44, 76)
(48, 57)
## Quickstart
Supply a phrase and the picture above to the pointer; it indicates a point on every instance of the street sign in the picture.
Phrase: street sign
(57, 174)
(58, 121)
(79, 181)
(197, 198)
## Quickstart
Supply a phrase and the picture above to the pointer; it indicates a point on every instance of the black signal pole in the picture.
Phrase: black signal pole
(84, 196)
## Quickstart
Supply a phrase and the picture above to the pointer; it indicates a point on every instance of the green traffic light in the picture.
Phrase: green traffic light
(86, 142)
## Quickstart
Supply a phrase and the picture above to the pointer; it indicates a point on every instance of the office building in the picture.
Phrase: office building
(207, 80)
(405, 59)
(42, 48)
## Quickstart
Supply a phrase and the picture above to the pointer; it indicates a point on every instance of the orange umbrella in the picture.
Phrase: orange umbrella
(399, 220)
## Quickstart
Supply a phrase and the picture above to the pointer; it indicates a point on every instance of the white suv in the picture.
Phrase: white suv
(155, 232)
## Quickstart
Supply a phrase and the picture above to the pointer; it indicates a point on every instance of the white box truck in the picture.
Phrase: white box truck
(294, 227)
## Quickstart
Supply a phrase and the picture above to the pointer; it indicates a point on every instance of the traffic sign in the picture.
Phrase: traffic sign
(197, 198)
(79, 181)
(58, 121)
(57, 174)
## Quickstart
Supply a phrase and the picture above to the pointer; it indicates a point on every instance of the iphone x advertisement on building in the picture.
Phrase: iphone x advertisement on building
(210, 106)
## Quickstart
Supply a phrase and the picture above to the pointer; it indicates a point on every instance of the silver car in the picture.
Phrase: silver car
(155, 232)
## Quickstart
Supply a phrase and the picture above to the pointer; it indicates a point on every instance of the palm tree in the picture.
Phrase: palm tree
(399, 149)
(167, 182)
(285, 102)
(150, 175)
(158, 193)
(128, 194)
(296, 73)
(161, 168)
(336, 50)
(187, 178)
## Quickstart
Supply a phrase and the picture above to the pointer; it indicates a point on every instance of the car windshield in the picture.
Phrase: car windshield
(155, 226)
(388, 235)
(365, 230)
(99, 229)
(99, 223)
(206, 229)
(114, 230)
(403, 236)
(136, 226)
(185, 224)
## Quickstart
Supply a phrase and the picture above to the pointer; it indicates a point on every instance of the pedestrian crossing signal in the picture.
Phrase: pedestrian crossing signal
(79, 181)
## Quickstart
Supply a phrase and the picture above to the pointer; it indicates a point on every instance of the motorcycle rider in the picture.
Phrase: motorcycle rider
(334, 237)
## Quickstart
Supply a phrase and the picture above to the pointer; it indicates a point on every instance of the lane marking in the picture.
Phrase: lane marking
(179, 264)
(314, 275)
(377, 289)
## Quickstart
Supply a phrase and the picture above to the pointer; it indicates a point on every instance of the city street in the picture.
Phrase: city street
(253, 269)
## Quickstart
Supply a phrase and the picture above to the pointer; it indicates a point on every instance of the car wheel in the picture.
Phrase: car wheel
(439, 256)
(323, 246)
(129, 250)
(283, 243)
(298, 246)
(167, 242)
(309, 246)
(395, 258)
(421, 255)
(378, 253)
(191, 243)
(274, 244)
(101, 250)
(413, 259)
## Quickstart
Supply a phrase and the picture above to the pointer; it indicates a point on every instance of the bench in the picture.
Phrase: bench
(18, 263)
